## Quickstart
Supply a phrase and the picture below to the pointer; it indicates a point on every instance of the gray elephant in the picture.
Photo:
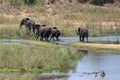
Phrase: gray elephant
(83, 33)
(28, 23)
(55, 33)
(43, 33)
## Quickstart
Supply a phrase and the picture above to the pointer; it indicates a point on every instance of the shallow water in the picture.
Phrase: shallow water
(66, 40)
(95, 62)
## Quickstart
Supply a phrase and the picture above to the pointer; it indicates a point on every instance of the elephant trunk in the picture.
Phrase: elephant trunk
(77, 33)
(21, 25)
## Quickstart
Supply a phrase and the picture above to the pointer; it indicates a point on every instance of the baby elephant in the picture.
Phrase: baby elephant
(83, 33)
(55, 33)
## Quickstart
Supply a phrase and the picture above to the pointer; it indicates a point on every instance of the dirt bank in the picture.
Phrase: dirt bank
(98, 45)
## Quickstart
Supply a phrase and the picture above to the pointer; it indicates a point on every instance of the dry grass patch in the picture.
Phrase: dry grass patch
(98, 45)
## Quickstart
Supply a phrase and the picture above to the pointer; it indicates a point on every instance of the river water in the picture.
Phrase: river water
(91, 62)
(96, 62)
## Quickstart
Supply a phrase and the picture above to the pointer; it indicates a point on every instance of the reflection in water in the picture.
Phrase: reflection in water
(93, 62)
(84, 52)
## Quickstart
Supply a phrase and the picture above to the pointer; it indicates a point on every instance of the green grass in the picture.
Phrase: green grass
(46, 57)
(14, 31)
(100, 21)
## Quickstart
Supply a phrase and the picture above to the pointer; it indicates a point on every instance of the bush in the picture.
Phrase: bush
(16, 2)
(82, 1)
(19, 2)
(30, 2)
(97, 2)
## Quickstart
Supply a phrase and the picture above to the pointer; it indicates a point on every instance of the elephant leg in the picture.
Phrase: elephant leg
(46, 38)
(83, 38)
(37, 36)
(29, 30)
(41, 38)
(51, 37)
(57, 35)
(80, 37)
(87, 39)
(54, 39)
(57, 38)
(34, 30)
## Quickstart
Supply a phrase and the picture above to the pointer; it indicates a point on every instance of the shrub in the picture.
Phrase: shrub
(30, 2)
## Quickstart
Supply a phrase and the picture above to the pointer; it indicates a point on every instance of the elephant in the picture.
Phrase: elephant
(43, 32)
(55, 33)
(46, 32)
(83, 33)
(36, 29)
(28, 23)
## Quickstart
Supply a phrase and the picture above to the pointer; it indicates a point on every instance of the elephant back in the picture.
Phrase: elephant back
(84, 32)
(44, 30)
(36, 27)
(47, 32)
(55, 32)
(30, 23)
(27, 22)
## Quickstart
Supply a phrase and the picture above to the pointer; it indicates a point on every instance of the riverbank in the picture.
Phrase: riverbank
(42, 57)
(99, 47)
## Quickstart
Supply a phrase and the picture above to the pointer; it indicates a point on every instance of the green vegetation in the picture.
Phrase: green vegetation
(99, 24)
(13, 31)
(33, 77)
(33, 2)
(44, 57)
(99, 20)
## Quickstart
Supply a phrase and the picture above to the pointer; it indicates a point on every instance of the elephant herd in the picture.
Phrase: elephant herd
(48, 33)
